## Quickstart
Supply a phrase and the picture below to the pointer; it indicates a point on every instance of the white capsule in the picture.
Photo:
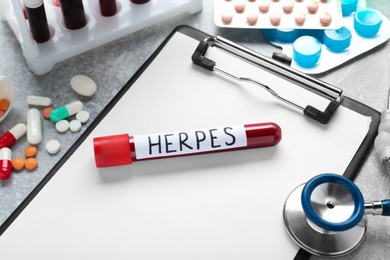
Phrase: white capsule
(5, 161)
(74, 107)
(66, 111)
(18, 130)
(5, 154)
(38, 101)
(34, 129)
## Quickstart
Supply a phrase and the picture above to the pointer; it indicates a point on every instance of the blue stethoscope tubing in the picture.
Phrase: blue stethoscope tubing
(354, 191)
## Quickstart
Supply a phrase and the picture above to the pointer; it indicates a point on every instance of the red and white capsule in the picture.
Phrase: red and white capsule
(11, 136)
(5, 163)
(124, 149)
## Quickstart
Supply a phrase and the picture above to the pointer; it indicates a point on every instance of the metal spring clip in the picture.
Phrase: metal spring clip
(314, 85)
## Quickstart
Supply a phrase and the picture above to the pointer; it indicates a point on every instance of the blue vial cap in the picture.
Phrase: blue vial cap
(281, 35)
(367, 22)
(348, 7)
(337, 40)
(319, 34)
(307, 51)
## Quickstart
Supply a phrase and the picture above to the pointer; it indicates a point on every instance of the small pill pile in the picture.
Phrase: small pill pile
(67, 117)
(4, 105)
(30, 163)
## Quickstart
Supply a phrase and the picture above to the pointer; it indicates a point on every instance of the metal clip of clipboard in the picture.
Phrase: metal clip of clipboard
(333, 94)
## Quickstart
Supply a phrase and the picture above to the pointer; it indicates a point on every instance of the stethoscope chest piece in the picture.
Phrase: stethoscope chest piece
(330, 203)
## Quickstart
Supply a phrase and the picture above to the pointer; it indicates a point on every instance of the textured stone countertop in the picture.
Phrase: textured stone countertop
(365, 78)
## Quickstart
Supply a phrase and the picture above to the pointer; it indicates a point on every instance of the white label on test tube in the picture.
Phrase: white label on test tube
(188, 142)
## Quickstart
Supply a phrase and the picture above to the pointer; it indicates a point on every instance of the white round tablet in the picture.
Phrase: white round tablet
(62, 126)
(75, 125)
(53, 146)
(83, 85)
(82, 116)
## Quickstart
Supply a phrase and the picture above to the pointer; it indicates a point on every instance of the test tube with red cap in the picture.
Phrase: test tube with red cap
(12, 135)
(124, 149)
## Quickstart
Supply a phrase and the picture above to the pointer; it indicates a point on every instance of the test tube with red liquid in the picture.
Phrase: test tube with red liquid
(139, 1)
(123, 149)
(36, 17)
(73, 14)
(108, 7)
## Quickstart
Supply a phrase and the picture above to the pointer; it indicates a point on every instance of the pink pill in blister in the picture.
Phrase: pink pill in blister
(227, 17)
(291, 14)
(252, 18)
(239, 6)
(325, 18)
(275, 18)
(288, 6)
(300, 17)
(312, 6)
(264, 6)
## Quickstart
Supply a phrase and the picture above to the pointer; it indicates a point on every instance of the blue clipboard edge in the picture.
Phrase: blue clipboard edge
(351, 171)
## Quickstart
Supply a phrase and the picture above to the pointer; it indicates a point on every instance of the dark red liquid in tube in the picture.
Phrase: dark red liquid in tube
(108, 7)
(73, 14)
(124, 149)
(139, 1)
(36, 17)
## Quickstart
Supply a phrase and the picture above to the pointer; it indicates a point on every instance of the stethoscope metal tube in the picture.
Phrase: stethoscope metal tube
(377, 208)
(325, 216)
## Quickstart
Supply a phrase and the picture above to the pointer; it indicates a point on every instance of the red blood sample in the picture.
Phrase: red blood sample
(73, 14)
(124, 149)
(37, 20)
(108, 7)
(139, 1)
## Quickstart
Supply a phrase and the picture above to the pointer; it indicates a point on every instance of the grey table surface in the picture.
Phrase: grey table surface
(365, 78)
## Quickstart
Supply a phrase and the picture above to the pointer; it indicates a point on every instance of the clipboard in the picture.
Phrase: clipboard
(216, 206)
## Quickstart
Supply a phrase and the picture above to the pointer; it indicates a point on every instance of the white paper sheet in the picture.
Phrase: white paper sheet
(215, 206)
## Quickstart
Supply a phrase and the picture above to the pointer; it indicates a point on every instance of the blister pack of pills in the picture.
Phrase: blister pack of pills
(308, 14)
(65, 43)
(317, 51)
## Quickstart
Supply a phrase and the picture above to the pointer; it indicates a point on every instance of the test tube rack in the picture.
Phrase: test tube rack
(65, 43)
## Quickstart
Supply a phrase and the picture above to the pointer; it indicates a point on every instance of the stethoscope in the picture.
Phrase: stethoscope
(326, 216)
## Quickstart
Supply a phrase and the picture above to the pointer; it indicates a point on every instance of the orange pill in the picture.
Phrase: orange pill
(4, 104)
(18, 163)
(31, 164)
(30, 151)
(46, 112)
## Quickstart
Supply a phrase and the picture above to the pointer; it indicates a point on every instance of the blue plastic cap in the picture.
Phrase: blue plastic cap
(280, 35)
(367, 22)
(348, 6)
(316, 33)
(306, 51)
(337, 40)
